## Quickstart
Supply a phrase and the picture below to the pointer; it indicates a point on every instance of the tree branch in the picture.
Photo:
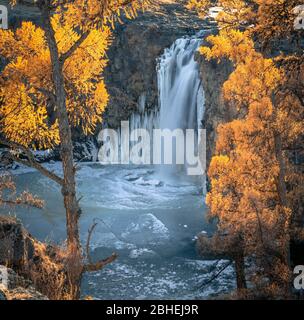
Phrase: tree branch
(100, 264)
(90, 232)
(90, 267)
(30, 162)
(74, 47)
(216, 275)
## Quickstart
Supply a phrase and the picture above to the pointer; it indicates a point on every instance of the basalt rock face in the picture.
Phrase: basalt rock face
(16, 250)
(213, 75)
(24, 11)
(21, 256)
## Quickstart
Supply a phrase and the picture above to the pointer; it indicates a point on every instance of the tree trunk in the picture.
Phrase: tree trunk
(74, 266)
(240, 272)
(282, 193)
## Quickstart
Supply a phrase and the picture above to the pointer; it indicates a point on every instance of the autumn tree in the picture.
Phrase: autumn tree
(52, 82)
(256, 185)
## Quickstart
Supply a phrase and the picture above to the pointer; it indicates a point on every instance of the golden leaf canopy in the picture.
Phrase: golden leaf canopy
(83, 35)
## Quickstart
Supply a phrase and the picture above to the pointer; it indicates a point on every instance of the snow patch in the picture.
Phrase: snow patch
(142, 252)
(147, 228)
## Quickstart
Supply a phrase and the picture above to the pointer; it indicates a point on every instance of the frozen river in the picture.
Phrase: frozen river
(149, 221)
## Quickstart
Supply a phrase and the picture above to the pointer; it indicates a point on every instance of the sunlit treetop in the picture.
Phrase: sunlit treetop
(83, 35)
(232, 13)
(27, 86)
(96, 13)
(229, 43)
(270, 20)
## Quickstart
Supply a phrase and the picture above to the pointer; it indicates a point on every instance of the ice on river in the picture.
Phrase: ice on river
(145, 223)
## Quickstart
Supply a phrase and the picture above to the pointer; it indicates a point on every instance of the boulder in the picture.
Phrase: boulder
(16, 244)
(18, 288)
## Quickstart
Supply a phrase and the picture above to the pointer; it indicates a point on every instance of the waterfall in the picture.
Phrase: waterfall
(181, 97)
(179, 86)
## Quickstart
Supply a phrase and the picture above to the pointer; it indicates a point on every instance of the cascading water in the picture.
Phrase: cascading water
(181, 97)
(179, 86)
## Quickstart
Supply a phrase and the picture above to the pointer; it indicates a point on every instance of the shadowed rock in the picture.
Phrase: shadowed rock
(16, 244)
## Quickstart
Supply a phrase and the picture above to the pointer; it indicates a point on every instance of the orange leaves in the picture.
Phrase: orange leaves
(25, 123)
(232, 44)
(9, 197)
(253, 171)
(201, 6)
(251, 81)
(88, 61)
(254, 76)
(7, 43)
(261, 111)
(275, 20)
(87, 96)
(23, 111)
(65, 33)
(25, 42)
(232, 13)
(88, 112)
(88, 14)
(27, 86)
(227, 136)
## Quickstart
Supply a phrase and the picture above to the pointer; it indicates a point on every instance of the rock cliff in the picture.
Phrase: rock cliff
(17, 288)
(213, 76)
(16, 251)
(16, 244)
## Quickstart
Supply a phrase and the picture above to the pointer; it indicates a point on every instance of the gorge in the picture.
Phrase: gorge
(149, 217)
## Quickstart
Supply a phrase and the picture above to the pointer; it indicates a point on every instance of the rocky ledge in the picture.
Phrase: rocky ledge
(15, 287)
(16, 250)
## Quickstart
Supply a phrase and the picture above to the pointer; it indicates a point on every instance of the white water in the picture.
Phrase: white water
(179, 86)
(181, 97)
(149, 220)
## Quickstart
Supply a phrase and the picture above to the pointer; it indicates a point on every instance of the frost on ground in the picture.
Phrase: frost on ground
(179, 279)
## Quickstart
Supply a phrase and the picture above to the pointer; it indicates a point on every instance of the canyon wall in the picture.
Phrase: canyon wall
(213, 75)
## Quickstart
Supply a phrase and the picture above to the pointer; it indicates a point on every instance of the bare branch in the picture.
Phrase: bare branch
(90, 267)
(30, 162)
(90, 232)
(216, 275)
(100, 264)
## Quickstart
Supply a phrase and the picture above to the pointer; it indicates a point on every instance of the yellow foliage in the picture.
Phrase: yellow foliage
(252, 80)
(200, 6)
(230, 43)
(234, 13)
(27, 91)
(256, 189)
